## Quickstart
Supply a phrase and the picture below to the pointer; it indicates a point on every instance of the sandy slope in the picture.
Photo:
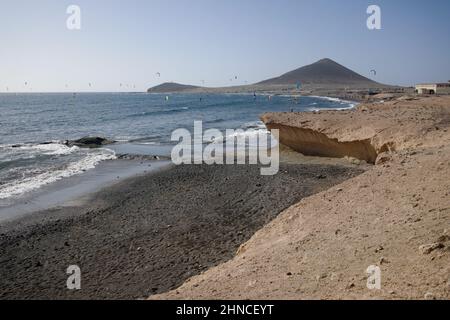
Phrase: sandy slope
(395, 216)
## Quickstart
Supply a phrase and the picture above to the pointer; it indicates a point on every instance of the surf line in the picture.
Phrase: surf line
(224, 149)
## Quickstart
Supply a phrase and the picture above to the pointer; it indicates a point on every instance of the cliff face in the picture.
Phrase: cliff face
(314, 143)
(362, 133)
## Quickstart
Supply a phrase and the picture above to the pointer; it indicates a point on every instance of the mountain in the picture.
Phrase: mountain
(171, 87)
(325, 72)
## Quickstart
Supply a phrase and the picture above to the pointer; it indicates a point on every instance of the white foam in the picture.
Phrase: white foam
(254, 125)
(251, 134)
(341, 101)
(51, 148)
(151, 143)
(22, 186)
(329, 99)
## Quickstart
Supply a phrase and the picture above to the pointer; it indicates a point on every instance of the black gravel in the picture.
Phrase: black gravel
(149, 234)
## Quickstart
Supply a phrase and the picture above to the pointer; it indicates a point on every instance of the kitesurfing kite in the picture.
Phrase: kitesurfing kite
(374, 72)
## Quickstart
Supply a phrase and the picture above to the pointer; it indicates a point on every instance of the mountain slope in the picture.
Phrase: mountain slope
(170, 87)
(325, 71)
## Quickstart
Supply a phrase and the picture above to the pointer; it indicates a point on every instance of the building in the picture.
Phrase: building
(433, 88)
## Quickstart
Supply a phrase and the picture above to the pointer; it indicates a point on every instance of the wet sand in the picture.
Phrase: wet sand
(77, 189)
(147, 235)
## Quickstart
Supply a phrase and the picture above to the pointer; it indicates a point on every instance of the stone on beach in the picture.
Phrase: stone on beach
(89, 142)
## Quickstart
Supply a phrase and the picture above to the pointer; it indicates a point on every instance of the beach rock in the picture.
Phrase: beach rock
(351, 285)
(89, 142)
(364, 109)
(127, 156)
(428, 248)
(353, 160)
(383, 158)
(406, 98)
(383, 96)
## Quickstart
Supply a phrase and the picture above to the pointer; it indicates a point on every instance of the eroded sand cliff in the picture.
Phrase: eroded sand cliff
(395, 216)
(364, 132)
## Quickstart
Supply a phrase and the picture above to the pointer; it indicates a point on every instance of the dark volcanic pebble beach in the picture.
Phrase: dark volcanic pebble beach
(149, 234)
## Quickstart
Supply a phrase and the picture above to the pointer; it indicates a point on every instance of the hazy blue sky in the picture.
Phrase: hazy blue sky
(187, 41)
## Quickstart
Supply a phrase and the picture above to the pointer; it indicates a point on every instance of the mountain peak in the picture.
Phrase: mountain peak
(323, 72)
(326, 60)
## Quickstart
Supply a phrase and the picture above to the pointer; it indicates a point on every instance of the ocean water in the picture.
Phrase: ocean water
(33, 128)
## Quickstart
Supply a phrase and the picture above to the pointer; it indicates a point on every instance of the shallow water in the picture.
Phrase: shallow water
(78, 189)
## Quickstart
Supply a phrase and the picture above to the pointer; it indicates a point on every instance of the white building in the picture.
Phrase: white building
(433, 88)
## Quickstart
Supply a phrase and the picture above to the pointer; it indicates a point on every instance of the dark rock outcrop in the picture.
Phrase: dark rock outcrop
(89, 142)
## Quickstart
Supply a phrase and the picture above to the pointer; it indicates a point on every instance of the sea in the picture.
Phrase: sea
(34, 127)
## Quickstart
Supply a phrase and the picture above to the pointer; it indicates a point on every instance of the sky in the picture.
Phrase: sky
(211, 42)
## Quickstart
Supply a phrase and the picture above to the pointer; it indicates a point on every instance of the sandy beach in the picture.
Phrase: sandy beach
(149, 234)
(395, 216)
(226, 232)
(225, 158)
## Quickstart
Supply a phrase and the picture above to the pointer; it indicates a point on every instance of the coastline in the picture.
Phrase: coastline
(77, 189)
(201, 232)
(395, 216)
(149, 234)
